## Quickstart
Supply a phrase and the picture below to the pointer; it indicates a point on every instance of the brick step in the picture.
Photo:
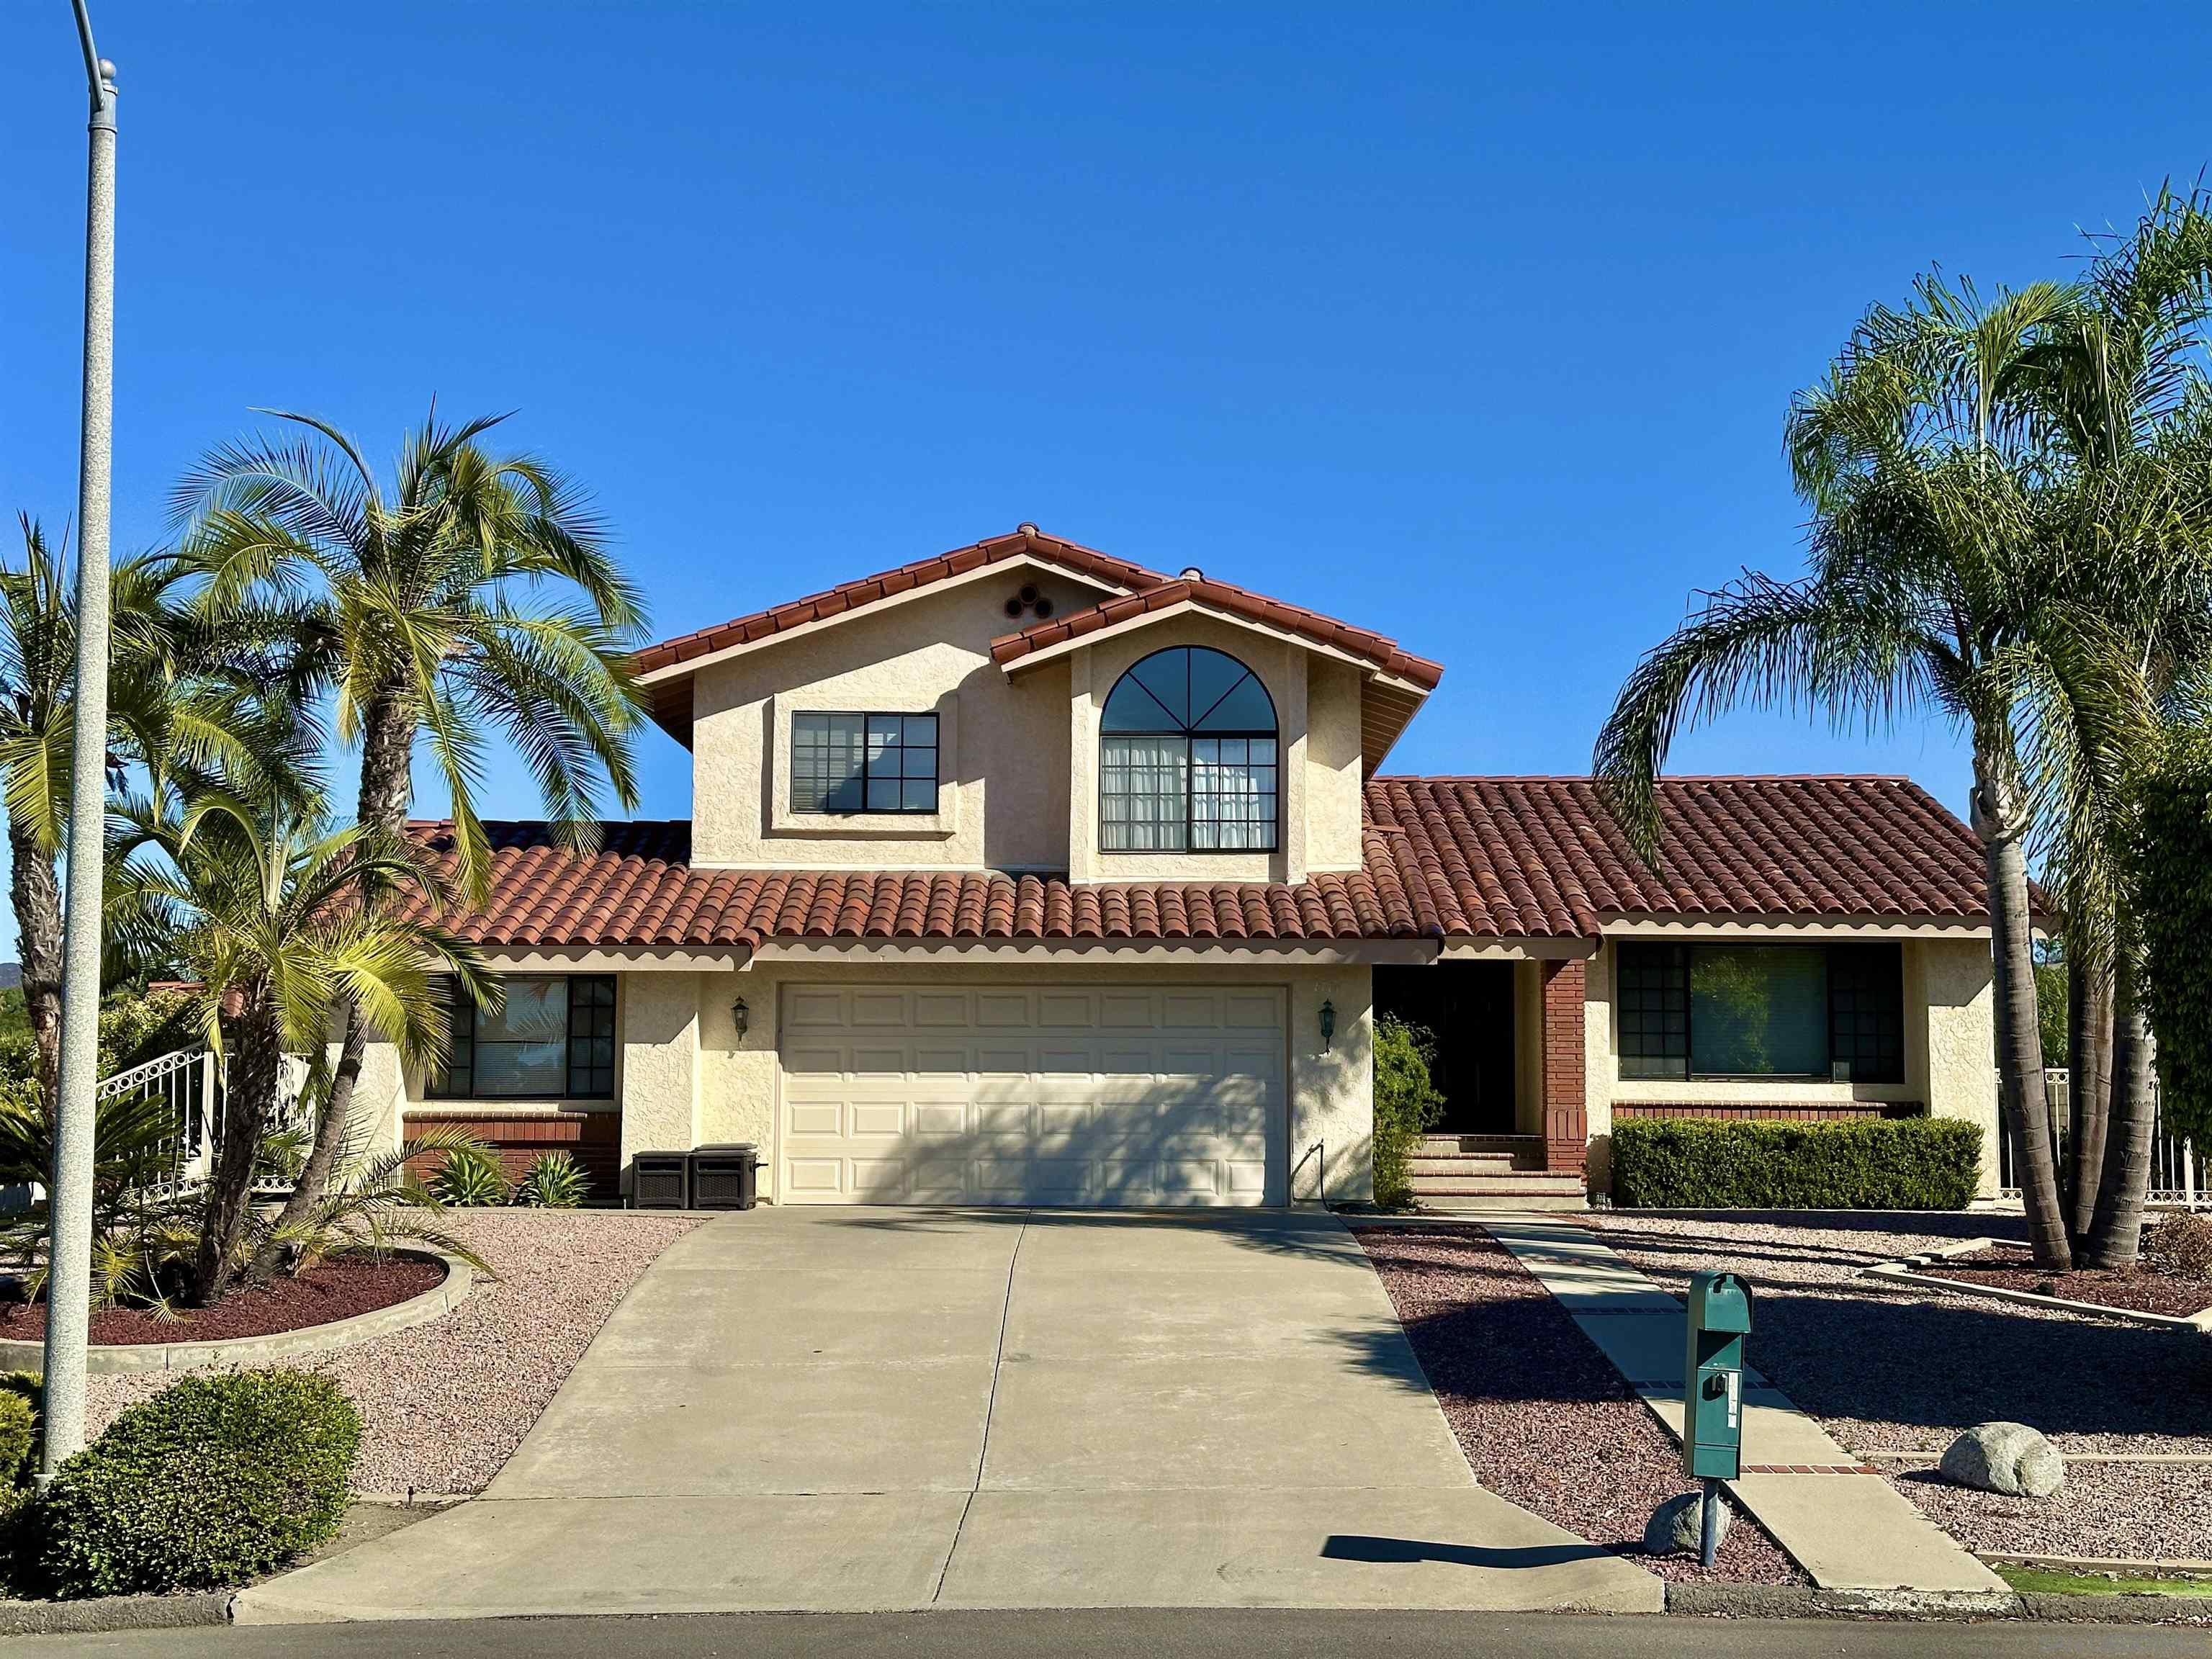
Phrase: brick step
(1561, 1186)
(1460, 1164)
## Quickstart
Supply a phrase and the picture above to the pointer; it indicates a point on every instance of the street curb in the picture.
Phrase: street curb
(140, 1358)
(102, 1613)
(2115, 1609)
(1803, 1601)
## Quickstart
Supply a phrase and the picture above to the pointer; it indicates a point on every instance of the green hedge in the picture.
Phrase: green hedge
(209, 1483)
(1871, 1163)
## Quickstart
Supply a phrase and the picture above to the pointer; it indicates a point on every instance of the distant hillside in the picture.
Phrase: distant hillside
(11, 975)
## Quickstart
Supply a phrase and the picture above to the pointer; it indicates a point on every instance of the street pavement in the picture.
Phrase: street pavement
(1138, 1633)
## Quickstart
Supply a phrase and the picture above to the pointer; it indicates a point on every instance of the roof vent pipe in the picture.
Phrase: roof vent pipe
(1191, 573)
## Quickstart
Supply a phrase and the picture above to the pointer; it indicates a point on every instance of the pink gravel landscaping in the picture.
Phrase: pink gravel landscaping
(1892, 1369)
(1542, 1416)
(446, 1404)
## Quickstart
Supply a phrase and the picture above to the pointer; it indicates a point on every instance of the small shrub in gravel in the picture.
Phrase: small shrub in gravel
(471, 1176)
(1879, 1164)
(213, 1482)
(19, 1434)
(1406, 1102)
(2181, 1245)
(554, 1181)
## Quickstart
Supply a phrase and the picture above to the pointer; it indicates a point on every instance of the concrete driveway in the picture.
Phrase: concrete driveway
(877, 1409)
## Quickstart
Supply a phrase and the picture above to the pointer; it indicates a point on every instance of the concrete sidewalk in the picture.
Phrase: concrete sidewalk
(851, 1410)
(1841, 1521)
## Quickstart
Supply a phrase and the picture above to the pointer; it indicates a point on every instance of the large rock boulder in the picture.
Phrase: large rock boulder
(2005, 1457)
(1677, 1526)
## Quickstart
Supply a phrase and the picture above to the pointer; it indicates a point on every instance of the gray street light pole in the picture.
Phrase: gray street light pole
(69, 1195)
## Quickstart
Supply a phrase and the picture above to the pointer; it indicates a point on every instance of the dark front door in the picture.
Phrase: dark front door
(1467, 1007)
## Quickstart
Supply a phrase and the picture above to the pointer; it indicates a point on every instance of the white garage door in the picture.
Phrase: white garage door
(1055, 1094)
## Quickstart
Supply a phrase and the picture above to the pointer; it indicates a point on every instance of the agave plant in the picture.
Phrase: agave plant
(374, 1202)
(472, 1175)
(554, 1181)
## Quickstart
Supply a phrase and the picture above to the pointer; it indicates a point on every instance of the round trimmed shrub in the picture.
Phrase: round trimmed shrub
(213, 1482)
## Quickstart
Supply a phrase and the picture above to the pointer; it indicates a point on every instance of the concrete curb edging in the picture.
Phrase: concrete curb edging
(136, 1358)
(1910, 1272)
(102, 1613)
(1804, 1601)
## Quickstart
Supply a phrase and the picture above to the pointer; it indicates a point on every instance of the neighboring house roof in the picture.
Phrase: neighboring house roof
(1497, 858)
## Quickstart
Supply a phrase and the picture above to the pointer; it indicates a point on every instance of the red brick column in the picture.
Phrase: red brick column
(1567, 1117)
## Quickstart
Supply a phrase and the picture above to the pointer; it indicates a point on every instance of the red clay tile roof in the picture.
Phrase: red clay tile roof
(1445, 857)
(868, 590)
(1513, 856)
(1360, 642)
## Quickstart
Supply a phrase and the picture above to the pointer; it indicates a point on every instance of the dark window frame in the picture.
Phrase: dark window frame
(586, 1077)
(1865, 982)
(863, 810)
(1187, 734)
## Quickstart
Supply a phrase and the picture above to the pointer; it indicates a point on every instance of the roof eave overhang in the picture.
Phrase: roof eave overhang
(1694, 926)
(668, 687)
(1137, 952)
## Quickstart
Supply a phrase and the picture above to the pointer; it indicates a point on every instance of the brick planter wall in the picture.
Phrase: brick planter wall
(592, 1139)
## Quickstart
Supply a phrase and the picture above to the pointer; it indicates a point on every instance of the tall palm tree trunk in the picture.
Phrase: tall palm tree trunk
(37, 898)
(386, 785)
(2088, 1084)
(249, 1098)
(2025, 1102)
(2116, 1229)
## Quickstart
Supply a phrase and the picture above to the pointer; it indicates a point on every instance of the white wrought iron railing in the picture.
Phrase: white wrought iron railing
(190, 1082)
(2177, 1171)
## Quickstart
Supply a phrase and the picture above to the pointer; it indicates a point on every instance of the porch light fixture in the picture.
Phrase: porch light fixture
(1328, 1023)
(740, 1016)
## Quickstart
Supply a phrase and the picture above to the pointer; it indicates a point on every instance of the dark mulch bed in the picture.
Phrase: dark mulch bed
(337, 1290)
(1543, 1417)
(2141, 1288)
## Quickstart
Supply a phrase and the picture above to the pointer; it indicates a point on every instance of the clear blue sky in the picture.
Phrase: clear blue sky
(1475, 325)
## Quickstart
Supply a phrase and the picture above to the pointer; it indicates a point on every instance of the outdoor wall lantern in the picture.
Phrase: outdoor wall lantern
(740, 1016)
(1328, 1023)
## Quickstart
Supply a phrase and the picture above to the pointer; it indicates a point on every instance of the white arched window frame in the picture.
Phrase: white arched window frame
(1189, 758)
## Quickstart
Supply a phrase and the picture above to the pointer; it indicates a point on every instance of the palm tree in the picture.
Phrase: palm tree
(1927, 564)
(2117, 394)
(262, 904)
(417, 607)
(157, 718)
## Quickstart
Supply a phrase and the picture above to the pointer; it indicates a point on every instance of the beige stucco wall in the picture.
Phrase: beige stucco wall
(1017, 756)
(1957, 986)
(1949, 1052)
(1003, 798)
(661, 1065)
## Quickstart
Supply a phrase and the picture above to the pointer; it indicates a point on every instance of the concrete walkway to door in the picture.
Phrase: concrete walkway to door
(874, 1409)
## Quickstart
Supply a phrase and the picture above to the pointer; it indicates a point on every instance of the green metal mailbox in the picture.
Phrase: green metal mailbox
(1713, 1381)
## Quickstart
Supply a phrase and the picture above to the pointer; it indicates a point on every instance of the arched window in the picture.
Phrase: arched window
(1187, 757)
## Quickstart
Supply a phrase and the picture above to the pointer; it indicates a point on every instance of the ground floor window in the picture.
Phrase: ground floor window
(1796, 1011)
(553, 1040)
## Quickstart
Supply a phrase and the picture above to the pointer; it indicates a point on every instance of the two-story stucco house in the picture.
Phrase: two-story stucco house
(1023, 874)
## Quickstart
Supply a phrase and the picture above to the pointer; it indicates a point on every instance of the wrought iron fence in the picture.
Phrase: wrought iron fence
(190, 1082)
(2177, 1168)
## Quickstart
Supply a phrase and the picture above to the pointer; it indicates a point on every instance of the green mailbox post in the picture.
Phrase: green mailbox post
(1712, 1391)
